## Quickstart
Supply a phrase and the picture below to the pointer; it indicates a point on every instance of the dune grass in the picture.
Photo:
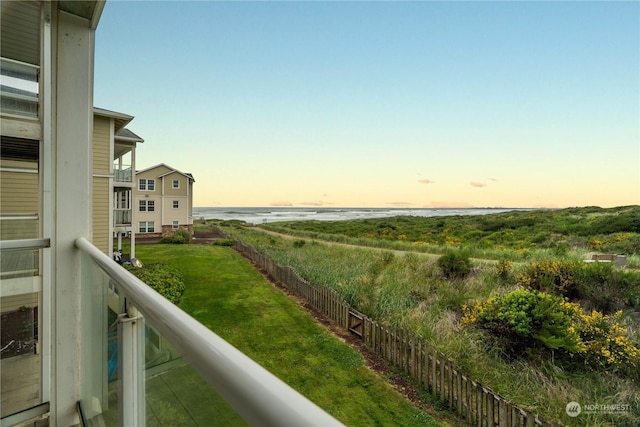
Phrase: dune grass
(408, 290)
(226, 294)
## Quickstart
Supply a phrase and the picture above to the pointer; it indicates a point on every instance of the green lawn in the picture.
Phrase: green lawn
(226, 294)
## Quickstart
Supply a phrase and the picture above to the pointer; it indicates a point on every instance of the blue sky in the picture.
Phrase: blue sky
(380, 104)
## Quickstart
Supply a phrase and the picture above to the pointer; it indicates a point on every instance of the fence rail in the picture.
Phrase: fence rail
(416, 357)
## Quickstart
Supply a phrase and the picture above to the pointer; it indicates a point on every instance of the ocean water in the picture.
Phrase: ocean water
(273, 214)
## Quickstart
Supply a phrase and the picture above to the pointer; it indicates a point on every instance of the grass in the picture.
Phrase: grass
(226, 294)
(516, 235)
(409, 290)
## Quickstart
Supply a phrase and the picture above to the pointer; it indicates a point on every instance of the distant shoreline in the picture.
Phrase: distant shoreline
(258, 215)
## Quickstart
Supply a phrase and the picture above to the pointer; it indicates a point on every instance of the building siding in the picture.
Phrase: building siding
(101, 209)
(19, 196)
(19, 190)
(101, 145)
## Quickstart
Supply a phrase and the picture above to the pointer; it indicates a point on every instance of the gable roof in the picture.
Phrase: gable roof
(172, 170)
(120, 119)
(127, 135)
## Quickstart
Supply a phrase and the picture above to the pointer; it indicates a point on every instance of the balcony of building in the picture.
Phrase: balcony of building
(125, 142)
(143, 360)
(122, 166)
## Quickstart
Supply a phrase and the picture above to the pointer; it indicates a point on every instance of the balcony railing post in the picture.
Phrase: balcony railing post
(131, 356)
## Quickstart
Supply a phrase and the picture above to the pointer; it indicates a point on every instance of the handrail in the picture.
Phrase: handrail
(257, 395)
(6, 245)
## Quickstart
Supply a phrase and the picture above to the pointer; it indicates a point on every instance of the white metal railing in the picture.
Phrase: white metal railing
(24, 244)
(257, 395)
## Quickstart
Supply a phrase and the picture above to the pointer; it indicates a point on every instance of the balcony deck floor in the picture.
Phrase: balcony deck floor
(20, 379)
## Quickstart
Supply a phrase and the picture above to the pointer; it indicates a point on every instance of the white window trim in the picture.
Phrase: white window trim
(147, 181)
(143, 205)
(173, 204)
(173, 184)
(146, 227)
(175, 225)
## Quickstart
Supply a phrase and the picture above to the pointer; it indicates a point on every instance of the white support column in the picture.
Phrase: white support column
(113, 201)
(132, 199)
(73, 129)
(131, 362)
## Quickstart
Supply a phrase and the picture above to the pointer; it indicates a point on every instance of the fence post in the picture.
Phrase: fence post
(490, 407)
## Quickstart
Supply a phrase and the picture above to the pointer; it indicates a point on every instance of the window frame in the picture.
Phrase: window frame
(175, 184)
(149, 227)
(146, 205)
(149, 184)
(175, 204)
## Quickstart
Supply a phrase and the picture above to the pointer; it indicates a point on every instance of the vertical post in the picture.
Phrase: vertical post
(71, 137)
(132, 200)
(46, 183)
(131, 363)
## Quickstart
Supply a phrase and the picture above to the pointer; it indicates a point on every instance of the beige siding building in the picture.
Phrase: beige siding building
(113, 179)
(102, 141)
(163, 201)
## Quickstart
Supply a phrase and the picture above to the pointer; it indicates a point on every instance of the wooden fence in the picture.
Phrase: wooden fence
(473, 402)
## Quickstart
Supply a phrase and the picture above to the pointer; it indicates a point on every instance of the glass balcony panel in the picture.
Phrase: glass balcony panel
(18, 88)
(15, 227)
(122, 217)
(19, 263)
(100, 305)
(175, 394)
(152, 380)
(122, 175)
(20, 359)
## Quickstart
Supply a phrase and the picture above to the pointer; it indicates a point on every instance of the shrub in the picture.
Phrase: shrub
(606, 343)
(180, 236)
(504, 269)
(455, 264)
(164, 280)
(299, 243)
(526, 319)
(557, 277)
(599, 285)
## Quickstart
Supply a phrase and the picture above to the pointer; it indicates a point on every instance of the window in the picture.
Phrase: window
(123, 199)
(175, 224)
(147, 227)
(176, 204)
(146, 184)
(147, 206)
(175, 183)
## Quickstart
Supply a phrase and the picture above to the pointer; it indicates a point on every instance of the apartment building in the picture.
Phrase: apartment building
(163, 201)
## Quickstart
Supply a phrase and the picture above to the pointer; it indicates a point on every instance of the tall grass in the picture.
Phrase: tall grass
(410, 290)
